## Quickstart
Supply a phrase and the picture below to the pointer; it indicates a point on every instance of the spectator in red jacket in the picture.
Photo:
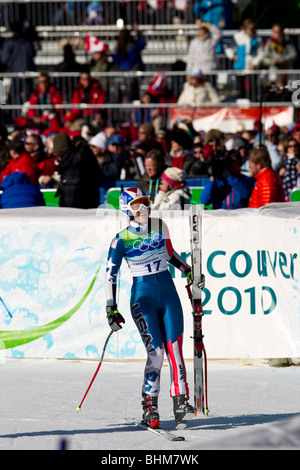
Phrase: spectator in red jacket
(89, 91)
(268, 187)
(44, 94)
(20, 161)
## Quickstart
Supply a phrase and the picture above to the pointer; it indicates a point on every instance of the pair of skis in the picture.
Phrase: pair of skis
(194, 292)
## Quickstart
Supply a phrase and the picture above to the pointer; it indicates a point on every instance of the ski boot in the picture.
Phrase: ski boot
(150, 411)
(183, 411)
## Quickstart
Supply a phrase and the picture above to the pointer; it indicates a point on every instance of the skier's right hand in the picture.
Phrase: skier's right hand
(115, 319)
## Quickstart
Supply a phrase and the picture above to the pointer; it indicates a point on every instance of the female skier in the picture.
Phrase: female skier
(155, 306)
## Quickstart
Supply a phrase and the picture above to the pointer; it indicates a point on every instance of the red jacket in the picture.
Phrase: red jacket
(94, 95)
(25, 164)
(268, 188)
(52, 97)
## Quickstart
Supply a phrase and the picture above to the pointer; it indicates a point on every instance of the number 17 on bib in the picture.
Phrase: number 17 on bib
(194, 289)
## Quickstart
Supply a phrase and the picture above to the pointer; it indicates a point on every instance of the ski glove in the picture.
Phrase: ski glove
(190, 280)
(115, 319)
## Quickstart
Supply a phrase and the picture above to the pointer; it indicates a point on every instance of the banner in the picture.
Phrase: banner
(226, 118)
(52, 297)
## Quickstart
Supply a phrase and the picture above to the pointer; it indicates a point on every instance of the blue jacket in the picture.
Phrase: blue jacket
(132, 57)
(232, 193)
(18, 191)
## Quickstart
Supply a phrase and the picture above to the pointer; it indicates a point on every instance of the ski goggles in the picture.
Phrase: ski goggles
(136, 206)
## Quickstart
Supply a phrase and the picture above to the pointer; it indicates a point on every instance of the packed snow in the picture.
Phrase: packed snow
(252, 406)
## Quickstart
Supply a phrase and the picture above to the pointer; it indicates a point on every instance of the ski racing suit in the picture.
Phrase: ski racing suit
(155, 305)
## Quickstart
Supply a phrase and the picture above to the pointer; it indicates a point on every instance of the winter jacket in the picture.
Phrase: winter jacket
(289, 179)
(184, 160)
(132, 59)
(24, 164)
(232, 193)
(53, 97)
(19, 192)
(79, 179)
(273, 51)
(202, 52)
(150, 185)
(268, 188)
(94, 94)
(174, 199)
(17, 54)
(197, 95)
(248, 50)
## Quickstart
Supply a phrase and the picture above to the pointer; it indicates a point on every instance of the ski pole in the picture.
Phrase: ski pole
(95, 374)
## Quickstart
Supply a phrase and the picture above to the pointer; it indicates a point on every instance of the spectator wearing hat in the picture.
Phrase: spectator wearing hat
(116, 148)
(196, 90)
(202, 49)
(214, 143)
(79, 173)
(173, 192)
(100, 62)
(180, 154)
(98, 144)
(20, 162)
(109, 163)
(135, 163)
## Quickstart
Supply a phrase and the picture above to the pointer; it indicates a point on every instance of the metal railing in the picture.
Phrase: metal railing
(120, 114)
(83, 12)
(118, 84)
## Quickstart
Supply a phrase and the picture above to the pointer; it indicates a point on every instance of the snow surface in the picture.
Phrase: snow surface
(252, 406)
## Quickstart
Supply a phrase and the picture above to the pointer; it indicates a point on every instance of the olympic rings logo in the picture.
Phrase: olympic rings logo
(148, 242)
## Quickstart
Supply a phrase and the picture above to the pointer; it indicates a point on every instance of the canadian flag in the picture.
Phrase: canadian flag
(93, 44)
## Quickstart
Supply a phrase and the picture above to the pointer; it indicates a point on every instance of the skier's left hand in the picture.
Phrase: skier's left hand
(189, 278)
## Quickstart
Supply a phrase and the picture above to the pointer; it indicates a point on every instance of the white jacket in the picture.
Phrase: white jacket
(202, 52)
(174, 199)
(198, 95)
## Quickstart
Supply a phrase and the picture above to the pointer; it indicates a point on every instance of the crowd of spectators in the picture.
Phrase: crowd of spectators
(80, 154)
(244, 169)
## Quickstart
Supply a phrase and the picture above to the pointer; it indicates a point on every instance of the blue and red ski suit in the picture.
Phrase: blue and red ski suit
(155, 305)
